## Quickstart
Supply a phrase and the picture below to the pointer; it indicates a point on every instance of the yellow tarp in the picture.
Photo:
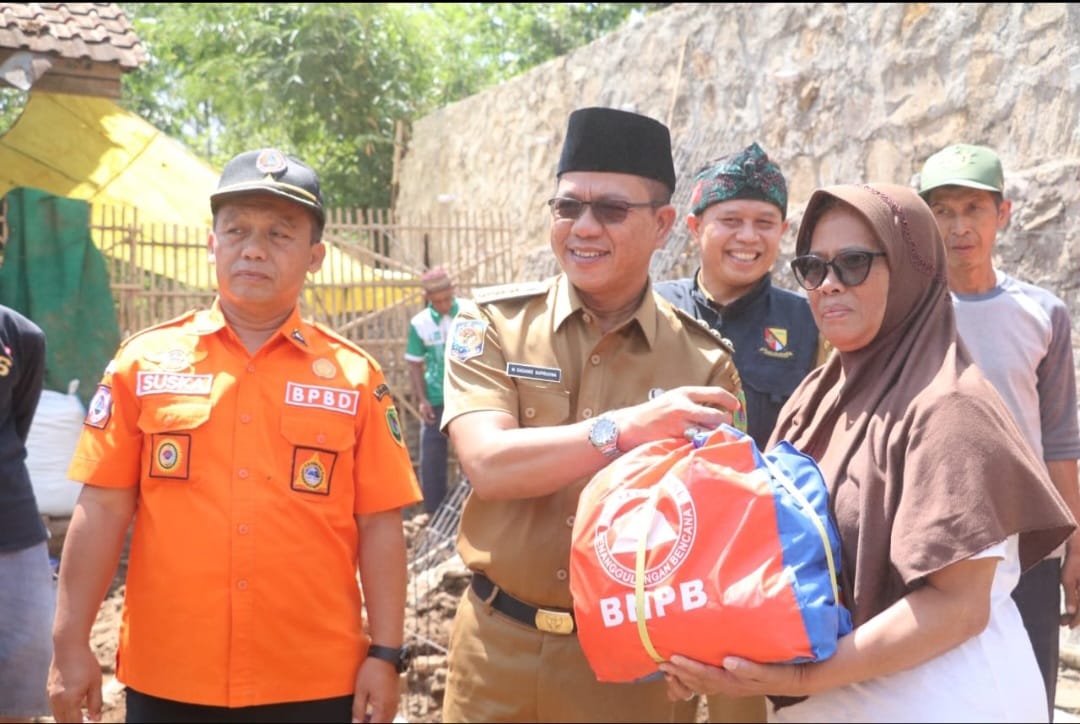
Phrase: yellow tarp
(89, 148)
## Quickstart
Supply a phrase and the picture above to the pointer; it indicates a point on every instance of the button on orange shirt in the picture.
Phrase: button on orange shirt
(242, 574)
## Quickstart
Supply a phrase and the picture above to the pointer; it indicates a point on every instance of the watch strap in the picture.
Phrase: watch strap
(398, 657)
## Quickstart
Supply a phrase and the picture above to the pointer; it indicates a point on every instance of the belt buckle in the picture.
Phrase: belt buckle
(555, 622)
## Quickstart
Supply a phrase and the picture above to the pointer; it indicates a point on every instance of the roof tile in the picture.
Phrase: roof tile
(95, 31)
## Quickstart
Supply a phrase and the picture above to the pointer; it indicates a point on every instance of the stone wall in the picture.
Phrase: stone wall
(834, 92)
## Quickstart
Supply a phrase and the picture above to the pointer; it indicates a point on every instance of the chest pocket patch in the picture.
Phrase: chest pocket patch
(170, 456)
(312, 470)
(315, 453)
(169, 427)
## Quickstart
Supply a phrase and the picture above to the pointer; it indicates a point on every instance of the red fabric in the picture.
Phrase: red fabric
(714, 560)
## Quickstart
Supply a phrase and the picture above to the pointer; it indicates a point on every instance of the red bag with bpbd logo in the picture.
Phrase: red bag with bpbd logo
(705, 549)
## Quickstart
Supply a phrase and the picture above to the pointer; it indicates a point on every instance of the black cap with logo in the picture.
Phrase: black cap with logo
(272, 171)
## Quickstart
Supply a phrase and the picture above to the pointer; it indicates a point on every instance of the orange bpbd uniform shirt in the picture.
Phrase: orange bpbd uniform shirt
(242, 574)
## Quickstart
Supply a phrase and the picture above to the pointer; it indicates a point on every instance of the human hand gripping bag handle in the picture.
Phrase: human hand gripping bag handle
(705, 549)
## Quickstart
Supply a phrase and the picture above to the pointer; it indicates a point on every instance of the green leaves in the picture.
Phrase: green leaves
(330, 81)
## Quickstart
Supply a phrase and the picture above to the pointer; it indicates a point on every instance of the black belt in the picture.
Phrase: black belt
(548, 620)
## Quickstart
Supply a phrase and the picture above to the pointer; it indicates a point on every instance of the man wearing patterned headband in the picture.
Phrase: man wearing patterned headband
(738, 214)
(260, 459)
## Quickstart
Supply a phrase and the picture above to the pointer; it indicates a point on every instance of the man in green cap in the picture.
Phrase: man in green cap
(1020, 335)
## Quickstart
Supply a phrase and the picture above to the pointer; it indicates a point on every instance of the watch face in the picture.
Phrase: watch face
(603, 432)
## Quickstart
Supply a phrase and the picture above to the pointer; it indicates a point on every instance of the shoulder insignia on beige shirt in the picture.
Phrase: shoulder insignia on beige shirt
(702, 324)
(509, 291)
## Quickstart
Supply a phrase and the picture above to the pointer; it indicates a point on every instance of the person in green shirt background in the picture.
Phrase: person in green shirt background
(424, 355)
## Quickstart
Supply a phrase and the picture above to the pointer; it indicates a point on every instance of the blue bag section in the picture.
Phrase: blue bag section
(826, 619)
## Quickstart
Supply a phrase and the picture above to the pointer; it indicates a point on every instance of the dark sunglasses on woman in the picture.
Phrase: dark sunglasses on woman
(850, 268)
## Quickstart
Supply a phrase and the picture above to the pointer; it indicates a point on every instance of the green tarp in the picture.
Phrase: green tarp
(53, 274)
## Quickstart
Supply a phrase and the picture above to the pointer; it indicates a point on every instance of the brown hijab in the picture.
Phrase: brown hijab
(924, 463)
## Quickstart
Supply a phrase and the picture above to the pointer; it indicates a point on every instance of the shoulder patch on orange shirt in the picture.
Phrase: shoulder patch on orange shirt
(394, 423)
(99, 410)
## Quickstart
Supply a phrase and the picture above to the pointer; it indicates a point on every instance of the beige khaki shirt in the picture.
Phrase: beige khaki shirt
(532, 350)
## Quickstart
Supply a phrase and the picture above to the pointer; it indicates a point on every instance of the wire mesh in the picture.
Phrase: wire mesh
(432, 552)
(436, 580)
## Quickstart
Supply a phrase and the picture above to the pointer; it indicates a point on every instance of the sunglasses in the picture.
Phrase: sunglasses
(850, 268)
(606, 212)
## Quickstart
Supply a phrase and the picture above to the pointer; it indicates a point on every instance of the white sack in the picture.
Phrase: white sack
(49, 447)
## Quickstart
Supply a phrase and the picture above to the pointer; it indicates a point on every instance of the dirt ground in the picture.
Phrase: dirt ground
(437, 581)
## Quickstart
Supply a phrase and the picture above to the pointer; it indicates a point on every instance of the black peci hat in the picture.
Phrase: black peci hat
(607, 139)
(272, 171)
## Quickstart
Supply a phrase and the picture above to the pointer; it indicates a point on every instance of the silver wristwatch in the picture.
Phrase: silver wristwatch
(604, 435)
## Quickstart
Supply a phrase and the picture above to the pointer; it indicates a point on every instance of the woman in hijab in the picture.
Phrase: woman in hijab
(939, 502)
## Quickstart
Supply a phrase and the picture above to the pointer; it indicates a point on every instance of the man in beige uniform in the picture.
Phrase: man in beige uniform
(545, 384)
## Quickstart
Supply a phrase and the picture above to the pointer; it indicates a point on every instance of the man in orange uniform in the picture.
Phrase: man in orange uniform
(262, 460)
